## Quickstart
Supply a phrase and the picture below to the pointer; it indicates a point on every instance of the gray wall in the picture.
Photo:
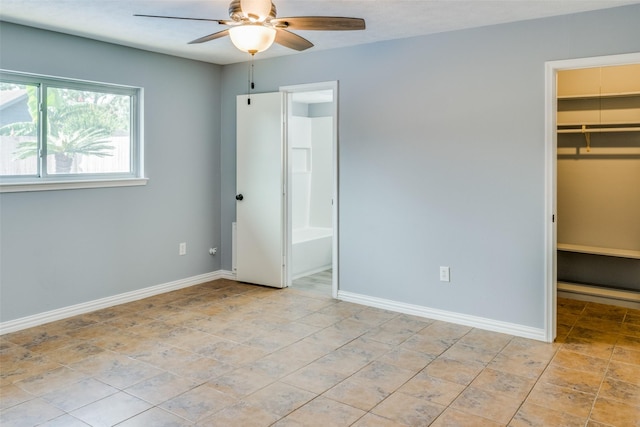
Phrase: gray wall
(59, 248)
(441, 157)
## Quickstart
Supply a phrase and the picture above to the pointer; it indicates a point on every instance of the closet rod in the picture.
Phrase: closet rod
(600, 130)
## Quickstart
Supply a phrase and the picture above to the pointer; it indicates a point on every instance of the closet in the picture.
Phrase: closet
(598, 181)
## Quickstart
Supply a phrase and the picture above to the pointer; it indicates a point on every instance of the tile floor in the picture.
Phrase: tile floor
(229, 354)
(318, 282)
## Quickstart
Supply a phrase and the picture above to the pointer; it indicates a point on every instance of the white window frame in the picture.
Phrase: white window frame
(134, 177)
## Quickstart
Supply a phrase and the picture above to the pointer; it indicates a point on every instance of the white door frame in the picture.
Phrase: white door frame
(551, 158)
(311, 87)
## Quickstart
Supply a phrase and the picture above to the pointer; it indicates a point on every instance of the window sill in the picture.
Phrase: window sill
(70, 185)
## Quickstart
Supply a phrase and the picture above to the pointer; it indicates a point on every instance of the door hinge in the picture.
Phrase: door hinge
(553, 218)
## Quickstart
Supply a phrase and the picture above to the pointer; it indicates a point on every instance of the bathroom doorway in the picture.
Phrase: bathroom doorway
(312, 211)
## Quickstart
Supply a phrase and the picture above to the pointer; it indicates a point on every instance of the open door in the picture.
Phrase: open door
(260, 205)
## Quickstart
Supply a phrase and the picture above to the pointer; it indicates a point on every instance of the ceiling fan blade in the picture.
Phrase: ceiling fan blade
(219, 21)
(327, 23)
(210, 37)
(291, 40)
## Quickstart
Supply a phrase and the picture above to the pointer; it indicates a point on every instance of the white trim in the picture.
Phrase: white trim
(226, 274)
(446, 316)
(85, 307)
(70, 185)
(551, 69)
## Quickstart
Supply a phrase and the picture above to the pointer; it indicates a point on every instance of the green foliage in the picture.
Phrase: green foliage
(78, 122)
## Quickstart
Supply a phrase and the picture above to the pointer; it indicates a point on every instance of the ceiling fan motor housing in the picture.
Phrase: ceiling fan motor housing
(236, 14)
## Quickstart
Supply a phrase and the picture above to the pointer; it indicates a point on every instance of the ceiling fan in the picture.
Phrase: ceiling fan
(254, 26)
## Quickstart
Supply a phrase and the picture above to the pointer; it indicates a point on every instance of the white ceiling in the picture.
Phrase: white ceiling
(113, 20)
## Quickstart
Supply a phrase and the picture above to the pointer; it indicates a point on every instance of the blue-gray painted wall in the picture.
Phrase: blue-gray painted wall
(60, 248)
(441, 163)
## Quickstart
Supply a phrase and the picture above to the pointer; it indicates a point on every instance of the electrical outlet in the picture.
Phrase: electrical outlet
(213, 251)
(182, 249)
(445, 274)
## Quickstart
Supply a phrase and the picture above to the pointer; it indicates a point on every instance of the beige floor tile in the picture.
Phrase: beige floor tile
(599, 350)
(454, 370)
(323, 412)
(532, 415)
(530, 349)
(314, 378)
(10, 395)
(520, 364)
(453, 418)
(161, 388)
(232, 353)
(578, 361)
(279, 398)
(74, 352)
(111, 410)
(587, 382)
(408, 359)
(79, 394)
(373, 420)
(467, 353)
(156, 417)
(624, 372)
(619, 390)
(504, 382)
(65, 420)
(625, 355)
(561, 399)
(50, 380)
(408, 410)
(117, 371)
(492, 405)
(629, 342)
(25, 368)
(29, 413)
(241, 414)
(202, 369)
(241, 382)
(198, 403)
(358, 393)
(616, 413)
(431, 346)
(389, 377)
(486, 340)
(436, 390)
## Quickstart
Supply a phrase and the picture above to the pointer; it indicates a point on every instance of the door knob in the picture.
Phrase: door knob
(239, 197)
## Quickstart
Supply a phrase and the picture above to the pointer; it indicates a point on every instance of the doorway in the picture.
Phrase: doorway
(312, 187)
(551, 172)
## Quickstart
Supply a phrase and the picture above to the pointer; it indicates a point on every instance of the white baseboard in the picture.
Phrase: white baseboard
(602, 295)
(86, 307)
(446, 316)
(226, 274)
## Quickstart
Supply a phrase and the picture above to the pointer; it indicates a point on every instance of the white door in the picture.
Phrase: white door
(259, 184)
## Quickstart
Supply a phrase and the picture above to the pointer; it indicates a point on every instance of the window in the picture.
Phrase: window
(66, 132)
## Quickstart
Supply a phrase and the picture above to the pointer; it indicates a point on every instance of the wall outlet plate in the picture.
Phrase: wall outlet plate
(445, 274)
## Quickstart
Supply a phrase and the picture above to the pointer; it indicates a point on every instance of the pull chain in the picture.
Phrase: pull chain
(250, 80)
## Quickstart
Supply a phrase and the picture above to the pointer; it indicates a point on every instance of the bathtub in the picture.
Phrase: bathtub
(311, 251)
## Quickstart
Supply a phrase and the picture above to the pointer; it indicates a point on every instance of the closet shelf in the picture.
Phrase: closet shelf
(599, 95)
(585, 129)
(594, 250)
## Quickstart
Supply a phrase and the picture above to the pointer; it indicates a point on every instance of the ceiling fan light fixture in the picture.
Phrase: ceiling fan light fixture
(252, 38)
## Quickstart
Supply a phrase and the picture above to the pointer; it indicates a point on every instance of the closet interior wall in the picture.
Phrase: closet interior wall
(598, 177)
